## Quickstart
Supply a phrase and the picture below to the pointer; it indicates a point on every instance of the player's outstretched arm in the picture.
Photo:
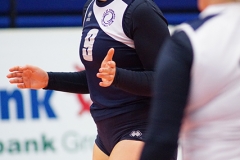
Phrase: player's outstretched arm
(28, 76)
(107, 70)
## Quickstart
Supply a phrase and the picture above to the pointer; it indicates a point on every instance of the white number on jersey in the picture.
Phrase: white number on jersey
(88, 44)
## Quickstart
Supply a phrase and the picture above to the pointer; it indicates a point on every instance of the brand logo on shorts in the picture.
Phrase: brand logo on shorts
(108, 17)
(136, 133)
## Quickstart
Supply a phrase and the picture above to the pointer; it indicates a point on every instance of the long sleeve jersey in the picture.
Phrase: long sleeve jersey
(136, 30)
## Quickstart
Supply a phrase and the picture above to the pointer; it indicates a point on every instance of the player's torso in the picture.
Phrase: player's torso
(102, 30)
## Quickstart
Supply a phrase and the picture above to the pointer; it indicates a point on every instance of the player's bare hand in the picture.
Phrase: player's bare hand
(28, 76)
(107, 70)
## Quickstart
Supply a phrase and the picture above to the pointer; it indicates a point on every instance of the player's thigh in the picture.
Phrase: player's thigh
(127, 150)
(98, 154)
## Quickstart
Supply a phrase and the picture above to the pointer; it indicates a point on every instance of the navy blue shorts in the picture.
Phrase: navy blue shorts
(128, 126)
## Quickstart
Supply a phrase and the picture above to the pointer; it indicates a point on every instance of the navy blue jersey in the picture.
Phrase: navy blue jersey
(136, 30)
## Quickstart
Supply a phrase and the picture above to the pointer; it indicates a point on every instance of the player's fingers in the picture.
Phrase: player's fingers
(16, 80)
(14, 74)
(112, 64)
(105, 76)
(109, 71)
(105, 83)
(22, 68)
(21, 86)
(110, 67)
(15, 68)
(109, 55)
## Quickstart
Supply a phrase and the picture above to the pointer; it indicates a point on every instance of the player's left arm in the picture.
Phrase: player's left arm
(149, 30)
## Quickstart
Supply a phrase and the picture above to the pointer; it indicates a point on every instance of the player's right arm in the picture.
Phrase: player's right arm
(32, 77)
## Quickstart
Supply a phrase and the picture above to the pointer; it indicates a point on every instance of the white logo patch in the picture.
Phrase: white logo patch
(136, 133)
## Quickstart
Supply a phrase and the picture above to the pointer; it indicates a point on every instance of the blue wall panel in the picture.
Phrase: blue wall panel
(4, 7)
(49, 6)
(54, 13)
(177, 5)
(4, 13)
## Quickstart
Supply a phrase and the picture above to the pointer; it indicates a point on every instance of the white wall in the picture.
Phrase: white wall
(68, 135)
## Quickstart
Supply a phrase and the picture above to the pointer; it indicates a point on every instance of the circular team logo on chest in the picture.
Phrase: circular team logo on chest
(108, 17)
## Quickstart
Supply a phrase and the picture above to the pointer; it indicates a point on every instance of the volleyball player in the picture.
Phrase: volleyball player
(119, 83)
(197, 88)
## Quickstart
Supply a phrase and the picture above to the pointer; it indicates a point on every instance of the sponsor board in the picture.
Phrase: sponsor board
(43, 124)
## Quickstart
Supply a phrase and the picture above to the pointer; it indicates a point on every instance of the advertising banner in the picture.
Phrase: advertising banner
(43, 124)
